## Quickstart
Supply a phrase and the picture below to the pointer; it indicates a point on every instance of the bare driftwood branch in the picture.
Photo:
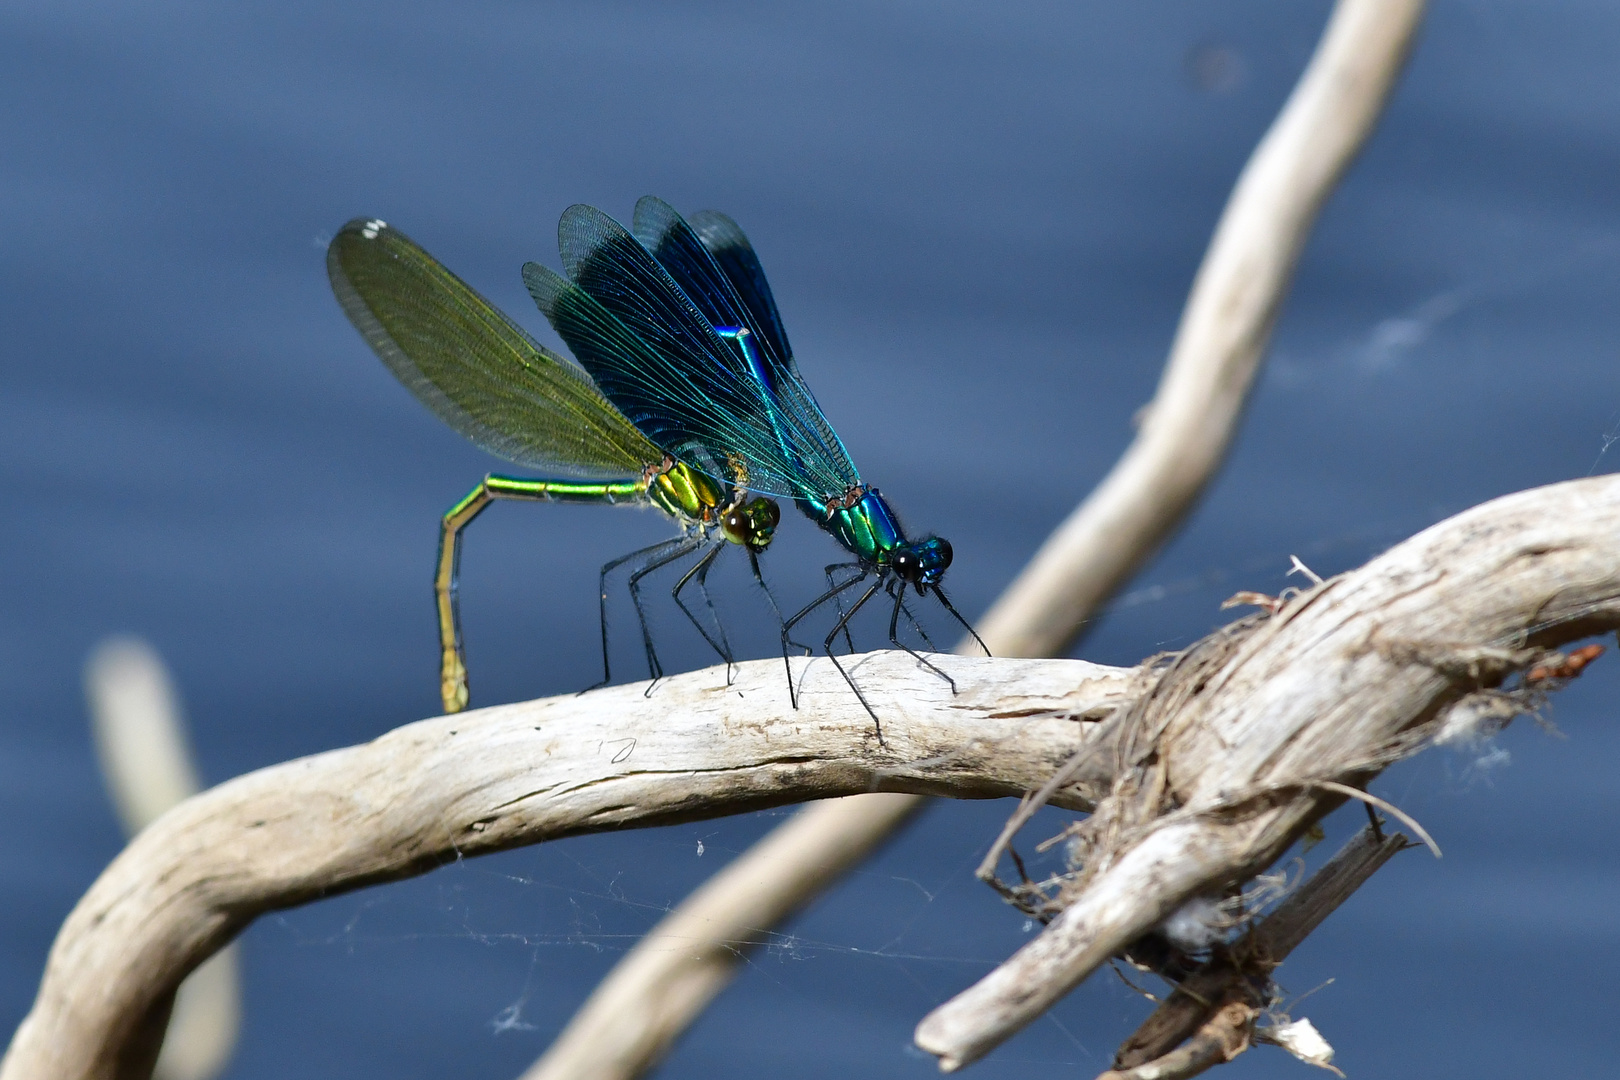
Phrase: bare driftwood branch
(1219, 1039)
(1222, 765)
(630, 1021)
(1197, 777)
(1224, 329)
(498, 778)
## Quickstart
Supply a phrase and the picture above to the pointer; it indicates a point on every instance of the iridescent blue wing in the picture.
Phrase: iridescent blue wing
(682, 254)
(685, 415)
(735, 256)
(723, 409)
(733, 294)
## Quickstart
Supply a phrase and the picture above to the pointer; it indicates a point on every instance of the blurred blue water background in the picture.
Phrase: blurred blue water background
(980, 222)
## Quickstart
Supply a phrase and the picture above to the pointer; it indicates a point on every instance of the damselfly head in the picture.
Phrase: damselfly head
(922, 563)
(751, 524)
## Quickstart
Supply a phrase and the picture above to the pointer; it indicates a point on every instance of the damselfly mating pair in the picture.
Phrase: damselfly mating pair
(686, 397)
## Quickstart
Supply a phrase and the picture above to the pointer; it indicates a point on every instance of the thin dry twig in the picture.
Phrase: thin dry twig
(1388, 807)
(1027, 807)
(147, 762)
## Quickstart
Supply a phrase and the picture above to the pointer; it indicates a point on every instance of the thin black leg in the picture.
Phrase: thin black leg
(687, 545)
(894, 637)
(753, 562)
(828, 571)
(700, 571)
(943, 599)
(788, 625)
(651, 551)
(841, 624)
(917, 626)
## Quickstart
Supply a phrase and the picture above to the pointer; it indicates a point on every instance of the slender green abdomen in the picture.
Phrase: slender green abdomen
(452, 667)
(564, 491)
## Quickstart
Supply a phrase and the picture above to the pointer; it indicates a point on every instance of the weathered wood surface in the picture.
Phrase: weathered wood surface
(1198, 780)
(498, 778)
(1217, 768)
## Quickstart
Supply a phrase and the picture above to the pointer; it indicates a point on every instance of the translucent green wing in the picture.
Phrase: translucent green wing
(474, 367)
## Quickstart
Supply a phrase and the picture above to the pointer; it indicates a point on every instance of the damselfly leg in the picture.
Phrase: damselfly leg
(839, 600)
(688, 544)
(789, 624)
(939, 593)
(453, 688)
(700, 571)
(899, 595)
(911, 620)
(652, 551)
(843, 625)
(753, 563)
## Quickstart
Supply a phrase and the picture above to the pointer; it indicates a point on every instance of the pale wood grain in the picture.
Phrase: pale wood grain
(1218, 768)
(437, 790)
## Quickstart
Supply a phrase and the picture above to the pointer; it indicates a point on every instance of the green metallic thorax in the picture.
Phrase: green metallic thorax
(866, 527)
(685, 494)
